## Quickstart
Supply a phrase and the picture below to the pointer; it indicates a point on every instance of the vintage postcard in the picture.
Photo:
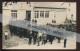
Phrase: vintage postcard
(39, 25)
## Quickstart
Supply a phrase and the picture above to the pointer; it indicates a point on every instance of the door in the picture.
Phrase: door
(28, 15)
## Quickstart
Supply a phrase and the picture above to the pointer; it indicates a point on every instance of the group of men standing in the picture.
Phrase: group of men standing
(42, 39)
(37, 38)
(33, 36)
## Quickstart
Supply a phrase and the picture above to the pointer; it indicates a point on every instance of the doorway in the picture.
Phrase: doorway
(28, 15)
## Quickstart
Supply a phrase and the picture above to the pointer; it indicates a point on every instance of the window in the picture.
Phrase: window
(46, 14)
(28, 2)
(42, 14)
(14, 14)
(53, 21)
(14, 2)
(36, 14)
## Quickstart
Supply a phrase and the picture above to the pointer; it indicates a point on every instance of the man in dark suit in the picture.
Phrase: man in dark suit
(65, 40)
(30, 38)
(58, 39)
(51, 39)
(34, 38)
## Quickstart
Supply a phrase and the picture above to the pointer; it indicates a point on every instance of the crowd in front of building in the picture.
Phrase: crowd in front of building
(40, 15)
(33, 37)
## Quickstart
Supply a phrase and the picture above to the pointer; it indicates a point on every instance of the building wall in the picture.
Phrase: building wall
(72, 7)
(21, 8)
(41, 20)
(60, 17)
(54, 14)
(21, 13)
(73, 10)
(6, 16)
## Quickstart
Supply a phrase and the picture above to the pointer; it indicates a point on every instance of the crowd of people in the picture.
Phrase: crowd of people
(34, 37)
(44, 38)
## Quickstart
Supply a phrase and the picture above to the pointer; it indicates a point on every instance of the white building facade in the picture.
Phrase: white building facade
(28, 11)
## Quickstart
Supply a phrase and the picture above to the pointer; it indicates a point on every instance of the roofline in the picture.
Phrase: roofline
(50, 8)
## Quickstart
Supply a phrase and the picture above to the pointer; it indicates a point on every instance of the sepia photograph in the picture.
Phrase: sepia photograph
(39, 25)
